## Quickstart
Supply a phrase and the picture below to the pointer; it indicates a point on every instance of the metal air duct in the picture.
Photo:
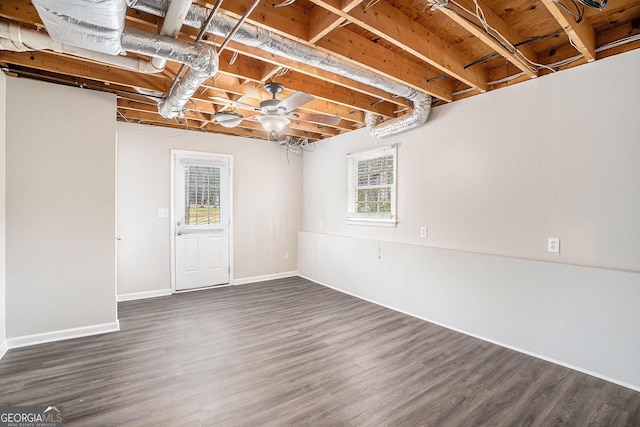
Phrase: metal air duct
(94, 28)
(16, 38)
(201, 58)
(89, 24)
(268, 41)
(418, 116)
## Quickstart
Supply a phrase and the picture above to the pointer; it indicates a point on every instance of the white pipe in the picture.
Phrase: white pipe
(15, 38)
(171, 26)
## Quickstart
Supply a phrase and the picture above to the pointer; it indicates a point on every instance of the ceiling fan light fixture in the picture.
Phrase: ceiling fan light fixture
(228, 119)
(273, 123)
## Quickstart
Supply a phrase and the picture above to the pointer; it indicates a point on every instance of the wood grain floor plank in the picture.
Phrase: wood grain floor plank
(291, 352)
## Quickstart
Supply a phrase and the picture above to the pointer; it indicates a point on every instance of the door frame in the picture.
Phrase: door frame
(205, 156)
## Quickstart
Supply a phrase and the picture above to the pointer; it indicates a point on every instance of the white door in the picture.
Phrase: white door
(201, 219)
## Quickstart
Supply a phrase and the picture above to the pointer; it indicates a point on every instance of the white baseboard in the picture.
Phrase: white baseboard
(265, 277)
(3, 349)
(144, 295)
(510, 347)
(65, 334)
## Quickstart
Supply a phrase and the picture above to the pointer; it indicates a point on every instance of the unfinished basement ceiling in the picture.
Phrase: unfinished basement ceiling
(438, 48)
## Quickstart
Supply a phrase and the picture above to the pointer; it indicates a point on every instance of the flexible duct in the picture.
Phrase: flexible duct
(269, 41)
(19, 39)
(98, 25)
(201, 59)
(419, 115)
(88, 24)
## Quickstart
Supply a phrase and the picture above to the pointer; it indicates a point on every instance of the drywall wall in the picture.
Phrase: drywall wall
(3, 126)
(267, 204)
(60, 211)
(498, 174)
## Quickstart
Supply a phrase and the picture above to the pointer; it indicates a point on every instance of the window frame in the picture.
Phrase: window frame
(378, 219)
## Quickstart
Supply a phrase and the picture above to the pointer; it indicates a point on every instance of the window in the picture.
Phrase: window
(372, 187)
(202, 190)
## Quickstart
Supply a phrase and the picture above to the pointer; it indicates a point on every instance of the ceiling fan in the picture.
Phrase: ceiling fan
(274, 114)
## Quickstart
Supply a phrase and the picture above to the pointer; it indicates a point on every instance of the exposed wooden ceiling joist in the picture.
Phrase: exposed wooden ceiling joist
(463, 12)
(580, 32)
(322, 21)
(355, 49)
(445, 52)
(397, 28)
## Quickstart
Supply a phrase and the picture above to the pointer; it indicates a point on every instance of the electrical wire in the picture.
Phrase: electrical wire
(233, 58)
(463, 91)
(284, 3)
(282, 72)
(579, 14)
(489, 30)
(506, 79)
(572, 43)
(436, 78)
(560, 63)
(494, 54)
(495, 34)
(602, 48)
(617, 43)
(370, 5)
(126, 119)
(595, 4)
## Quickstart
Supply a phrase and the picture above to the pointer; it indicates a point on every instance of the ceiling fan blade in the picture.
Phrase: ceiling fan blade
(231, 122)
(232, 102)
(318, 118)
(296, 100)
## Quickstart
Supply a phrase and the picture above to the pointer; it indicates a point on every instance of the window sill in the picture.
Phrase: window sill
(375, 222)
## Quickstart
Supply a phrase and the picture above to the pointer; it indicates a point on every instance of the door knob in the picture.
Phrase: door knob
(179, 233)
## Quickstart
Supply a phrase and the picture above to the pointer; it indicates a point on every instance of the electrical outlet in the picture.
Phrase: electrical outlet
(321, 223)
(163, 213)
(553, 245)
(286, 255)
(423, 232)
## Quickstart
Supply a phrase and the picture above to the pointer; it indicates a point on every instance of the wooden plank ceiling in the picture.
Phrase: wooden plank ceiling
(445, 51)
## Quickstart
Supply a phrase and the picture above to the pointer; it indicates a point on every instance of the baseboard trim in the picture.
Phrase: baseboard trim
(265, 277)
(64, 334)
(510, 347)
(144, 295)
(4, 347)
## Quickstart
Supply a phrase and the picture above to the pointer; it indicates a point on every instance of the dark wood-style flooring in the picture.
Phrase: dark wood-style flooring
(291, 352)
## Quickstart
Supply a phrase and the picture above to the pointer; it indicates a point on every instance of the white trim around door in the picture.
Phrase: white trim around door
(178, 227)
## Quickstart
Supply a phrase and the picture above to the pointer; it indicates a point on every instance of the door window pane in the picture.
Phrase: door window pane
(202, 190)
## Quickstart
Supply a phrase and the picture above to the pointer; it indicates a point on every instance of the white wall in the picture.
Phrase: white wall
(3, 126)
(498, 174)
(267, 204)
(60, 211)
